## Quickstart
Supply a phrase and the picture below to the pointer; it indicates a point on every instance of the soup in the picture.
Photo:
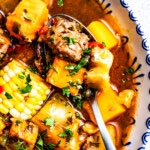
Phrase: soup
(51, 68)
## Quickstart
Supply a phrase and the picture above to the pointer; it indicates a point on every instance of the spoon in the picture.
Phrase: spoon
(101, 125)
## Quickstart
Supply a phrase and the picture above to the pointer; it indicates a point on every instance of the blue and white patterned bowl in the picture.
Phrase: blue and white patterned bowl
(124, 11)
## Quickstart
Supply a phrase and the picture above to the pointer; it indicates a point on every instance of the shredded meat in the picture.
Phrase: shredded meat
(66, 41)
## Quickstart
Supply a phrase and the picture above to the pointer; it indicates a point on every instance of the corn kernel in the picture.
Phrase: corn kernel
(40, 102)
(37, 107)
(33, 112)
(27, 111)
(6, 77)
(38, 97)
(2, 81)
(32, 101)
(11, 73)
(16, 80)
(14, 101)
(8, 89)
(29, 106)
(18, 96)
(6, 68)
(0, 99)
(47, 91)
(15, 113)
(23, 116)
(7, 103)
(13, 86)
(2, 73)
(33, 93)
(20, 107)
(3, 109)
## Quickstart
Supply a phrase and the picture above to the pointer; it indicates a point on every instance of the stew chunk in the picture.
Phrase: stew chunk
(65, 39)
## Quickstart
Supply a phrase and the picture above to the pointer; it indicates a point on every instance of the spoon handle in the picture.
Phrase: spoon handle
(103, 130)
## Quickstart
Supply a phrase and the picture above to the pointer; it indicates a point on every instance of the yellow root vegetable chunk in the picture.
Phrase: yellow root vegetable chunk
(102, 34)
(60, 77)
(28, 17)
(62, 116)
(98, 78)
(25, 131)
(109, 105)
(101, 58)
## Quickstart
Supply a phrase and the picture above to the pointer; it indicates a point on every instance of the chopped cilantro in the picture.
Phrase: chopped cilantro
(104, 44)
(25, 16)
(28, 78)
(49, 122)
(18, 122)
(78, 101)
(66, 91)
(21, 76)
(76, 85)
(40, 145)
(78, 115)
(70, 40)
(52, 67)
(129, 70)
(83, 62)
(87, 50)
(19, 146)
(52, 40)
(60, 2)
(67, 133)
(32, 69)
(8, 95)
(69, 67)
(26, 89)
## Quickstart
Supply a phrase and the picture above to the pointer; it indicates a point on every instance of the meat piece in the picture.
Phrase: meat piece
(4, 43)
(66, 41)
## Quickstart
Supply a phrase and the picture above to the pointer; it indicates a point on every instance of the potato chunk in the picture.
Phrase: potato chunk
(98, 76)
(60, 77)
(63, 116)
(28, 17)
(25, 131)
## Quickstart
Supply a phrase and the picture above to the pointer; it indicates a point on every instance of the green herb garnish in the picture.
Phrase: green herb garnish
(77, 101)
(49, 122)
(67, 133)
(66, 91)
(70, 40)
(60, 2)
(25, 16)
(69, 67)
(26, 89)
(83, 62)
(8, 95)
(87, 50)
(32, 69)
(19, 146)
(129, 70)
(18, 122)
(40, 145)
(52, 67)
(76, 85)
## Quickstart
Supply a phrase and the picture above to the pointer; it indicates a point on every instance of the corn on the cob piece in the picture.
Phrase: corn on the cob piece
(23, 91)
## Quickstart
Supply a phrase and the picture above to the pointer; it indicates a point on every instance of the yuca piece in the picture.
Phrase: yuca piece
(22, 92)
(28, 17)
